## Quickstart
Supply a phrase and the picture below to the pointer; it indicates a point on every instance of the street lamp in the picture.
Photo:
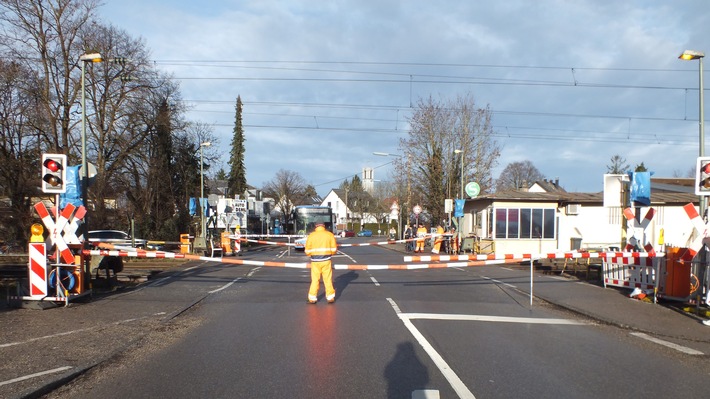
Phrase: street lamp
(202, 189)
(93, 57)
(698, 55)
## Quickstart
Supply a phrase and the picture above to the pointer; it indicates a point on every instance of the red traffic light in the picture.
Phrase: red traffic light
(54, 173)
(52, 165)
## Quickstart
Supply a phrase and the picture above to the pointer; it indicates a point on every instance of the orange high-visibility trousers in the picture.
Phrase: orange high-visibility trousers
(420, 245)
(325, 270)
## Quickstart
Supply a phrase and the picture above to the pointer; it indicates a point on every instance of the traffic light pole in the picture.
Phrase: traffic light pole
(84, 169)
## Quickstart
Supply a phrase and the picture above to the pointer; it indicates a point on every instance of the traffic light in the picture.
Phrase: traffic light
(54, 173)
(702, 176)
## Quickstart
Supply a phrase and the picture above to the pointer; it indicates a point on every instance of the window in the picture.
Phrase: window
(524, 223)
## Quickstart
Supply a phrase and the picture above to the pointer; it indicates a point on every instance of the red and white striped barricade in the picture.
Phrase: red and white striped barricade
(632, 272)
(38, 271)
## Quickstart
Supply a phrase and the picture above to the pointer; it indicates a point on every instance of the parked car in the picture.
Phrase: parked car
(300, 244)
(115, 237)
(364, 233)
(347, 233)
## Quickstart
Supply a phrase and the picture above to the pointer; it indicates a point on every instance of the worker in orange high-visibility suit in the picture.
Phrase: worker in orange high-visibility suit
(421, 234)
(320, 246)
(438, 240)
(453, 241)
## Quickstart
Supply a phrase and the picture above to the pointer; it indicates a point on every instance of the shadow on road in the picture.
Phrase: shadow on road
(405, 373)
(342, 281)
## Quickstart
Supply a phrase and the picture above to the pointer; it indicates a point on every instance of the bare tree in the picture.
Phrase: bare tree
(518, 175)
(19, 150)
(45, 36)
(617, 166)
(443, 135)
(124, 96)
(287, 188)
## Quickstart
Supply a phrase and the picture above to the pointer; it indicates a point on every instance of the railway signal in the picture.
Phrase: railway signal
(54, 173)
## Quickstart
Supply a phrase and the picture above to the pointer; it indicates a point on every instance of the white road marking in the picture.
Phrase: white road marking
(75, 331)
(225, 286)
(681, 348)
(497, 319)
(499, 282)
(425, 394)
(374, 281)
(456, 383)
(41, 373)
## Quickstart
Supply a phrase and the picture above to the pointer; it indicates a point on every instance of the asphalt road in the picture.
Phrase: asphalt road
(210, 330)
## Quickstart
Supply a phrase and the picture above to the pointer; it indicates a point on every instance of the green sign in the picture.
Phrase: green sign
(472, 189)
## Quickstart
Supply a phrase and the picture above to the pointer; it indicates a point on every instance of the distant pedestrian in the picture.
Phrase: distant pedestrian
(320, 246)
(421, 238)
(408, 235)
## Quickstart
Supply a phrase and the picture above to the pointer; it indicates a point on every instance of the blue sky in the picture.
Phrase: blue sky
(325, 83)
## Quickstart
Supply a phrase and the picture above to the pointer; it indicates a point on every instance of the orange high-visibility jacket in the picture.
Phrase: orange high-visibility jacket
(321, 245)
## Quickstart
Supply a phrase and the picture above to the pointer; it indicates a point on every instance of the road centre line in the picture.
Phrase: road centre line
(453, 379)
(41, 373)
(374, 281)
(680, 348)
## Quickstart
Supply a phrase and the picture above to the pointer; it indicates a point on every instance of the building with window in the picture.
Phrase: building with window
(540, 222)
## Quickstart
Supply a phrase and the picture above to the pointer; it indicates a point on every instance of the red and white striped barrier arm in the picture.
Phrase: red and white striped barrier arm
(306, 265)
(552, 255)
(363, 244)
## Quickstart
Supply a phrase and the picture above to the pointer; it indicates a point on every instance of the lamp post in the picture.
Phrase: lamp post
(93, 57)
(202, 190)
(698, 55)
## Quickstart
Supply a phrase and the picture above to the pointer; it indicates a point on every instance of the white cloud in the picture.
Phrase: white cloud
(632, 92)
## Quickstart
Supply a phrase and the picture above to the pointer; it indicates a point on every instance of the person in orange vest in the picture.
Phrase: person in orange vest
(421, 234)
(320, 246)
(438, 240)
(454, 241)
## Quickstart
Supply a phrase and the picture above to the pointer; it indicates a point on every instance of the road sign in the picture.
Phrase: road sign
(417, 209)
(473, 189)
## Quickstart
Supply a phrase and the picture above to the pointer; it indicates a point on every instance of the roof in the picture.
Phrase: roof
(549, 185)
(674, 185)
(657, 197)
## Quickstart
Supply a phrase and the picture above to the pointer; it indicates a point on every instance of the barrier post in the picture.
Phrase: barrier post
(184, 243)
(39, 287)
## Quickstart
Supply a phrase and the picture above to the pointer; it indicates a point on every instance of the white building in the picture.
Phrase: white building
(542, 222)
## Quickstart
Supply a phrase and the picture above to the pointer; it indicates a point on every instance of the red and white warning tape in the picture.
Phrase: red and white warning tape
(363, 244)
(552, 255)
(464, 260)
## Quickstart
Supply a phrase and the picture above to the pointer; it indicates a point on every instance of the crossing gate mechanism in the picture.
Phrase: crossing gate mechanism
(66, 276)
